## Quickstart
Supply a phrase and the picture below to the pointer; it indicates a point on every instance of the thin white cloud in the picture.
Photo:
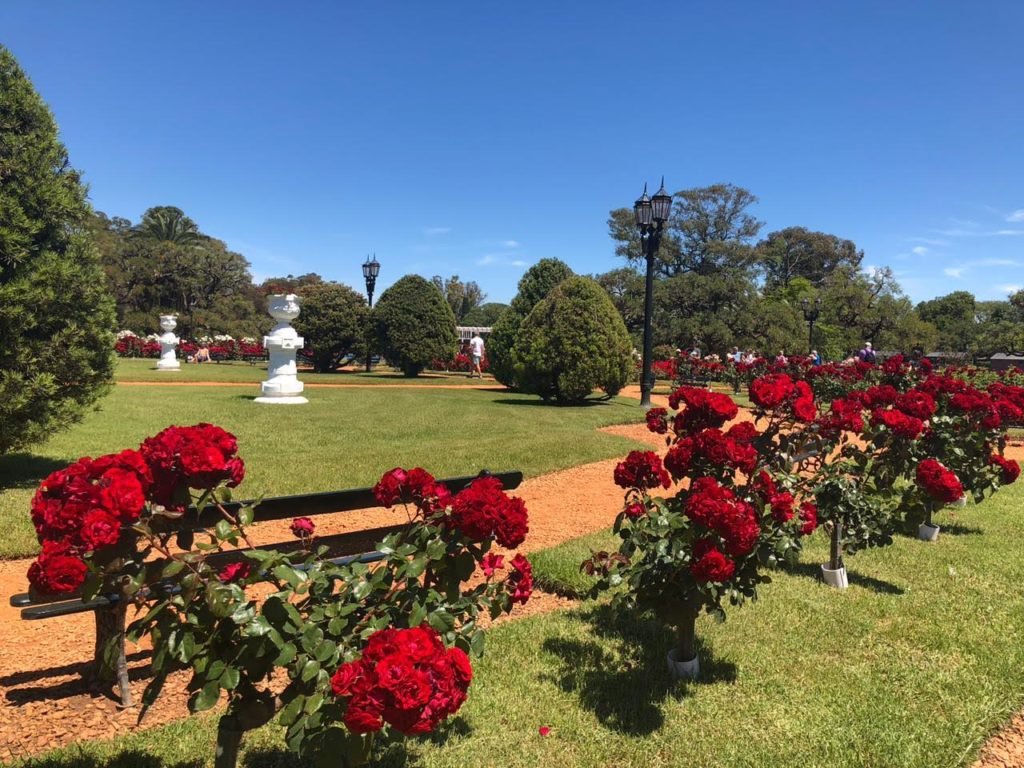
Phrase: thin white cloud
(979, 232)
(500, 260)
(998, 263)
(518, 263)
(919, 250)
(487, 259)
(1016, 216)
(968, 223)
(1009, 287)
(1010, 232)
(509, 243)
(954, 271)
(435, 231)
(929, 241)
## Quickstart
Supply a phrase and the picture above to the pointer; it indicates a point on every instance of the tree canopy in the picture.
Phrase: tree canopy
(333, 322)
(462, 297)
(414, 325)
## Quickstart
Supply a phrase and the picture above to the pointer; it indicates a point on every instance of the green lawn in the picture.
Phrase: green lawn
(343, 438)
(914, 665)
(243, 373)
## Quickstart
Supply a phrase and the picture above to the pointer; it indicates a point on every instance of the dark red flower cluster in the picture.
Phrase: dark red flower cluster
(201, 456)
(938, 482)
(520, 579)
(412, 486)
(642, 470)
(1009, 470)
(702, 409)
(977, 405)
(237, 571)
(715, 507)
(405, 678)
(657, 421)
(82, 508)
(709, 564)
(302, 527)
(897, 422)
(878, 396)
(808, 518)
(483, 510)
(708, 451)
(769, 392)
(894, 366)
(916, 403)
(844, 416)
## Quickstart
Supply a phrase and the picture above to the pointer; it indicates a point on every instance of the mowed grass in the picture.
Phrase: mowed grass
(913, 666)
(343, 438)
(244, 373)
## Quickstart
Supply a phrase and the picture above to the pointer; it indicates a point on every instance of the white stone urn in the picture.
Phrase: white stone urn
(282, 386)
(168, 341)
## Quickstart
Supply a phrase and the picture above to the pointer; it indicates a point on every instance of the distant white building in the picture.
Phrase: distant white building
(467, 332)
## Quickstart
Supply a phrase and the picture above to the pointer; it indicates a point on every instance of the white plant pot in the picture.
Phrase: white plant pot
(959, 503)
(683, 670)
(926, 532)
(835, 578)
(282, 386)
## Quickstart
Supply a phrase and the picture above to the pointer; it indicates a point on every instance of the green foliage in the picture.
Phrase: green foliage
(537, 283)
(572, 343)
(56, 317)
(333, 322)
(462, 297)
(797, 252)
(414, 324)
(485, 315)
(955, 318)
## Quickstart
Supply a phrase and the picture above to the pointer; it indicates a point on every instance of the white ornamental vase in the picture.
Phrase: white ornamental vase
(282, 386)
(927, 532)
(682, 670)
(834, 577)
(168, 341)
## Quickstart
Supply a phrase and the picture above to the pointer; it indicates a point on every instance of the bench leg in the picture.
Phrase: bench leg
(109, 663)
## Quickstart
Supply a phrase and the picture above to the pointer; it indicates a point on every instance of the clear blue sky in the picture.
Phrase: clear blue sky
(476, 138)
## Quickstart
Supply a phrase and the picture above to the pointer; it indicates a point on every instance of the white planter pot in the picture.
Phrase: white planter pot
(282, 386)
(959, 503)
(926, 532)
(683, 670)
(835, 578)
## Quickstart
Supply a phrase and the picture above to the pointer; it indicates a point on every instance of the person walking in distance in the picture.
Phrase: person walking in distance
(476, 351)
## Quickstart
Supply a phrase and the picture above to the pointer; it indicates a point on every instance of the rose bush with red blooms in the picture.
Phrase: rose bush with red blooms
(1009, 470)
(938, 482)
(643, 470)
(406, 678)
(200, 457)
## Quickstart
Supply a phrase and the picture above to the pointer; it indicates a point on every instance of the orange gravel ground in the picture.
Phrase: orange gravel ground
(45, 704)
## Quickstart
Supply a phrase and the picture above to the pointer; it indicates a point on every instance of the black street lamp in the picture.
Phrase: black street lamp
(810, 315)
(370, 271)
(651, 215)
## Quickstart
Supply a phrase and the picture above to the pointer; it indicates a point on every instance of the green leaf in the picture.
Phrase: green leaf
(230, 678)
(206, 697)
(309, 670)
(224, 529)
(291, 712)
(325, 651)
(286, 656)
(417, 614)
(245, 515)
(416, 566)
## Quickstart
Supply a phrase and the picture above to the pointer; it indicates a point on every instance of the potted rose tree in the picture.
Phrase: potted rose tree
(708, 544)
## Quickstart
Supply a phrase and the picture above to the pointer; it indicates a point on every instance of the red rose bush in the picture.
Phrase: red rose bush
(733, 513)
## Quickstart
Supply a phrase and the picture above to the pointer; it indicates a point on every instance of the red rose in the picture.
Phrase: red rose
(99, 530)
(483, 510)
(521, 579)
(1009, 470)
(641, 470)
(938, 482)
(490, 563)
(916, 403)
(345, 677)
(743, 432)
(899, 423)
(122, 494)
(363, 716)
(56, 571)
(302, 527)
(635, 510)
(809, 518)
(782, 507)
(657, 421)
(679, 458)
(237, 571)
(804, 409)
(710, 565)
(702, 409)
(771, 391)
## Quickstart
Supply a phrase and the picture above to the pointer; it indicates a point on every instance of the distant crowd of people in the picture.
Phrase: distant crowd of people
(737, 356)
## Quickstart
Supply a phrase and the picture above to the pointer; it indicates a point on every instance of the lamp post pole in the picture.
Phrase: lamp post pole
(651, 215)
(370, 271)
(810, 315)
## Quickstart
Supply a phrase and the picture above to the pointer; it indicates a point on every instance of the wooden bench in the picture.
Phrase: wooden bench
(110, 612)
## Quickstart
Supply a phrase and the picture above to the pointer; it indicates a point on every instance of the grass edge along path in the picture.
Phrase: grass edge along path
(914, 665)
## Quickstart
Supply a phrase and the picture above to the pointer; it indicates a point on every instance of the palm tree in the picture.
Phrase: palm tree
(165, 223)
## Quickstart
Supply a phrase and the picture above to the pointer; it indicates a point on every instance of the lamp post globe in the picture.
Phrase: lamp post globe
(650, 215)
(371, 268)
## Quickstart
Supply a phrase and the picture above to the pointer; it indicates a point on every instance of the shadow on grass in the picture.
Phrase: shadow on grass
(813, 571)
(555, 403)
(26, 470)
(277, 757)
(130, 758)
(624, 679)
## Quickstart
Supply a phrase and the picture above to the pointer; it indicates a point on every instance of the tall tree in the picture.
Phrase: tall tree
(485, 315)
(167, 224)
(710, 229)
(955, 317)
(462, 297)
(333, 322)
(798, 252)
(56, 316)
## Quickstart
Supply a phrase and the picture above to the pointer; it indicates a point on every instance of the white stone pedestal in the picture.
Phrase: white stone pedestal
(282, 386)
(168, 341)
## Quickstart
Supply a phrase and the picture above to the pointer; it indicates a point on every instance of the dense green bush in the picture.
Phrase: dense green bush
(333, 323)
(533, 286)
(414, 324)
(56, 316)
(572, 343)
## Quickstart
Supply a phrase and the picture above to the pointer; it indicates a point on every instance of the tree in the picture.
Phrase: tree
(462, 297)
(333, 322)
(414, 324)
(534, 285)
(167, 224)
(573, 342)
(56, 316)
(709, 230)
(955, 317)
(625, 287)
(858, 307)
(798, 252)
(486, 315)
